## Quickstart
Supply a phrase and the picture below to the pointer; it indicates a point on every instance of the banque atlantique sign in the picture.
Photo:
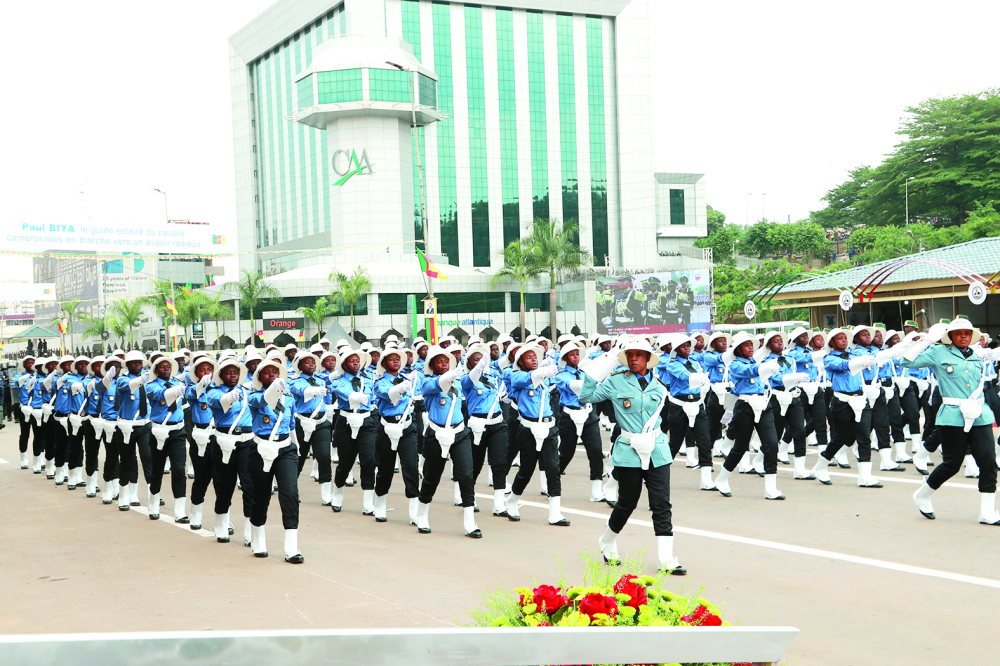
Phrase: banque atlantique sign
(348, 163)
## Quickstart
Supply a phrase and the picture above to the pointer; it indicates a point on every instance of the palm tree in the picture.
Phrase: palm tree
(95, 327)
(128, 311)
(218, 311)
(555, 247)
(72, 310)
(252, 291)
(350, 290)
(117, 328)
(191, 307)
(519, 266)
(317, 314)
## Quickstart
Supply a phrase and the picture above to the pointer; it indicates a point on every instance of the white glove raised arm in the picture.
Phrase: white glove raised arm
(90, 387)
(231, 398)
(76, 388)
(397, 391)
(936, 332)
(884, 356)
(541, 374)
(601, 367)
(446, 380)
(134, 384)
(357, 399)
(21, 380)
(147, 377)
(503, 361)
(478, 371)
(313, 392)
(47, 382)
(697, 380)
(576, 386)
(273, 392)
(61, 381)
(31, 383)
(172, 394)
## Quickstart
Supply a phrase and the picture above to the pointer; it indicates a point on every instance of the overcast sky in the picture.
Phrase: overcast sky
(106, 100)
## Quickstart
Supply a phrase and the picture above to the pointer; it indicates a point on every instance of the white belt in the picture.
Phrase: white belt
(201, 437)
(784, 399)
(127, 426)
(539, 430)
(871, 392)
(579, 418)
(445, 435)
(46, 412)
(810, 389)
(922, 386)
(720, 390)
(309, 424)
(98, 424)
(109, 430)
(691, 409)
(64, 422)
(478, 424)
(642, 443)
(267, 449)
(855, 402)
(354, 419)
(902, 382)
(971, 408)
(75, 421)
(758, 403)
(889, 392)
(394, 431)
(162, 431)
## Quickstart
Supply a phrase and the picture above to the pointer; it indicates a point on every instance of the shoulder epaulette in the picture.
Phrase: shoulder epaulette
(619, 372)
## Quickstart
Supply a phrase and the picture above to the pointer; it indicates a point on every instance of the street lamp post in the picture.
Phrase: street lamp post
(170, 263)
(906, 189)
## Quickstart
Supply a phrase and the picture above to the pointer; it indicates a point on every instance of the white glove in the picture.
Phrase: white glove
(76, 388)
(273, 392)
(697, 380)
(205, 381)
(413, 377)
(231, 398)
(134, 384)
(90, 387)
(936, 332)
(540, 375)
(31, 383)
(991, 355)
(61, 381)
(446, 380)
(146, 377)
(47, 382)
(859, 363)
(885, 356)
(503, 361)
(793, 379)
(981, 352)
(546, 362)
(601, 367)
(397, 391)
(357, 399)
(576, 386)
(727, 417)
(479, 369)
(818, 356)
(172, 394)
(111, 372)
(22, 380)
(313, 392)
(280, 384)
(768, 367)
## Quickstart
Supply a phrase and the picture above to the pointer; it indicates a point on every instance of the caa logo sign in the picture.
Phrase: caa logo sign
(347, 164)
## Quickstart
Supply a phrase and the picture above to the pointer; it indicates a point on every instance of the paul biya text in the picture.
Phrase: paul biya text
(110, 236)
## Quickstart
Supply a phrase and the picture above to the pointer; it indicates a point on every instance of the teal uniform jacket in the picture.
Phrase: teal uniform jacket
(633, 408)
(958, 377)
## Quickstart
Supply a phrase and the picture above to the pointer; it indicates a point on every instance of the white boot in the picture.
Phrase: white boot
(722, 483)
(611, 490)
(555, 515)
(180, 512)
(811, 439)
(350, 479)
(921, 456)
(915, 443)
(107, 497)
(123, 497)
(498, 508)
(258, 542)
(667, 563)
(423, 519)
(153, 506)
(543, 480)
(706, 479)
(469, 522)
(841, 457)
(368, 503)
(36, 466)
(865, 478)
(314, 473)
(783, 452)
(133, 494)
(221, 528)
(692, 457)
(800, 469)
(886, 463)
(196, 512)
(608, 545)
(727, 446)
(901, 456)
(512, 511)
(758, 463)
(745, 466)
(988, 514)
(971, 468)
(380, 509)
(24, 460)
(822, 471)
(92, 485)
(50, 468)
(458, 495)
(337, 499)
(325, 493)
(414, 505)
(292, 553)
(922, 498)
(596, 492)
(717, 448)
(771, 491)
(247, 530)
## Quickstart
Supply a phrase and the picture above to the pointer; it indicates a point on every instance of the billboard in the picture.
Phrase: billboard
(146, 237)
(654, 303)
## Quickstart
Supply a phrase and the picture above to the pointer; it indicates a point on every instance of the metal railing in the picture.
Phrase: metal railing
(412, 647)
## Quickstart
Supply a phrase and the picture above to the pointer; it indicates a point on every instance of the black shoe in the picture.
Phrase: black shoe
(196, 527)
(513, 518)
(424, 530)
(104, 501)
(611, 503)
(183, 520)
(877, 484)
(37, 471)
(295, 559)
(475, 534)
(336, 509)
(70, 487)
(679, 571)
(899, 468)
(163, 502)
(231, 530)
(222, 539)
(475, 509)
(502, 514)
(561, 523)
(123, 508)
(59, 482)
(350, 483)
(154, 516)
(190, 476)
(845, 466)
(827, 482)
(724, 494)
(927, 515)
(612, 563)
(367, 513)
(779, 497)
(136, 503)
(381, 520)
(91, 494)
(264, 554)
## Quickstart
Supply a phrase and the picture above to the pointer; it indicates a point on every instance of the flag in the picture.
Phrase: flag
(260, 333)
(171, 307)
(428, 268)
(187, 288)
(62, 328)
(218, 240)
(302, 335)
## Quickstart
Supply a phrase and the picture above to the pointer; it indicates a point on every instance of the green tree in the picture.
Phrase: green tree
(252, 290)
(845, 204)
(126, 312)
(218, 311)
(520, 266)
(716, 220)
(734, 286)
(95, 327)
(555, 247)
(349, 290)
(722, 241)
(192, 306)
(317, 314)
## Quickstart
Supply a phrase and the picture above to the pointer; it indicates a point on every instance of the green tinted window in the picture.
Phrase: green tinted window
(392, 304)
(447, 178)
(385, 85)
(339, 86)
(305, 91)
(476, 84)
(536, 106)
(411, 33)
(598, 160)
(567, 118)
(473, 302)
(676, 206)
(508, 126)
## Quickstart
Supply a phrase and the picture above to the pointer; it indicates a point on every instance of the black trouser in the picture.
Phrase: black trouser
(715, 410)
(513, 431)
(37, 436)
(419, 413)
(91, 446)
(630, 489)
(880, 422)
(828, 395)
(74, 446)
(127, 453)
(678, 428)
(284, 469)
(955, 444)
(25, 424)
(932, 434)
(991, 397)
(591, 436)
(60, 439)
(202, 468)
(494, 442)
(224, 476)
(173, 448)
(319, 443)
(909, 403)
(408, 464)
(112, 456)
(547, 459)
(742, 426)
(461, 466)
(360, 448)
(895, 413)
(848, 431)
(792, 425)
(815, 417)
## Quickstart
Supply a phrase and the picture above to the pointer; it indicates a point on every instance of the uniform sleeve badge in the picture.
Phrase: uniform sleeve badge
(626, 403)
(204, 406)
(267, 419)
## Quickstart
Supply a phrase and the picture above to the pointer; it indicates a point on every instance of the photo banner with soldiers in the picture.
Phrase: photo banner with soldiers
(654, 303)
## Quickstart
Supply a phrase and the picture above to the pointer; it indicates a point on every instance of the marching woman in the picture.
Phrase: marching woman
(964, 420)
(641, 453)
(45, 387)
(579, 423)
(483, 391)
(813, 391)
(850, 412)
(789, 415)
(70, 402)
(92, 426)
(107, 416)
(354, 435)
(168, 438)
(22, 380)
(312, 428)
(754, 411)
(231, 444)
(529, 383)
(273, 456)
(686, 415)
(397, 433)
(715, 402)
(59, 421)
(133, 423)
(199, 414)
(447, 436)
(886, 420)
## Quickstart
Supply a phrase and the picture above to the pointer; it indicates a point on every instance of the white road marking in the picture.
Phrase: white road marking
(894, 478)
(3, 462)
(789, 548)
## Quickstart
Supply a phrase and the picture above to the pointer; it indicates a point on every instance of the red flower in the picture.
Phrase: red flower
(592, 604)
(702, 618)
(551, 597)
(635, 591)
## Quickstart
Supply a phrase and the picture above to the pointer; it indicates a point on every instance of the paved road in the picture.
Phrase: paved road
(859, 571)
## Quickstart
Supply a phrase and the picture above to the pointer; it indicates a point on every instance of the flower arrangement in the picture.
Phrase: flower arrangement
(611, 596)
